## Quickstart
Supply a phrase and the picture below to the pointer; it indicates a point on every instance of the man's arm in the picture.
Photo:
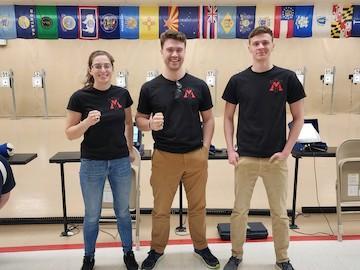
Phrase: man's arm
(208, 127)
(146, 122)
(297, 112)
(229, 112)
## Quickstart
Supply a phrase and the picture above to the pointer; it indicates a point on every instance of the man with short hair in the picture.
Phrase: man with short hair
(170, 106)
(262, 91)
(7, 181)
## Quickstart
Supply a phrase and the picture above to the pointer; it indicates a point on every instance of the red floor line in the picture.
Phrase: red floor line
(171, 242)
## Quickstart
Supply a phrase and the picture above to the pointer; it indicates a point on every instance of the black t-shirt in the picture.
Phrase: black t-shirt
(262, 98)
(182, 130)
(106, 139)
(8, 183)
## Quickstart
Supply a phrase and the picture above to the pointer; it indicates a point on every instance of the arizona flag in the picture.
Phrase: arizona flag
(183, 19)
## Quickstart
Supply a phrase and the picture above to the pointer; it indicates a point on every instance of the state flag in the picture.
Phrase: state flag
(129, 22)
(89, 23)
(7, 22)
(47, 22)
(68, 22)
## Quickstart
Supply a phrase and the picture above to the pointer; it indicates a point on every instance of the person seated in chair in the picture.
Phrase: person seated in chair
(7, 181)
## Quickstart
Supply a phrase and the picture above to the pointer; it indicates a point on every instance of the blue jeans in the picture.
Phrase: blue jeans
(92, 179)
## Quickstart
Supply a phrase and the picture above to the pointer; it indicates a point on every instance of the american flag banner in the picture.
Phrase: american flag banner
(210, 18)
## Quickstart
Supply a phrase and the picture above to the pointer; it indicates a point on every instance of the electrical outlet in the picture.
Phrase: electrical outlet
(121, 79)
(151, 75)
(5, 79)
(210, 78)
(328, 76)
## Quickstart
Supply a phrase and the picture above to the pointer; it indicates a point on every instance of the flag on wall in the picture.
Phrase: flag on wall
(264, 15)
(47, 22)
(168, 18)
(25, 21)
(7, 22)
(322, 19)
(284, 21)
(293, 21)
(109, 22)
(226, 22)
(183, 19)
(355, 27)
(303, 21)
(149, 22)
(245, 21)
(129, 22)
(210, 21)
(342, 21)
(88, 20)
(68, 27)
(189, 21)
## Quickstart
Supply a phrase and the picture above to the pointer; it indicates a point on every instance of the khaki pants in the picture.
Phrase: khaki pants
(168, 169)
(274, 177)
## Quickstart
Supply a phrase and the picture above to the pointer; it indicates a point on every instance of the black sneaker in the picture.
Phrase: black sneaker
(151, 260)
(232, 263)
(210, 260)
(88, 263)
(284, 266)
(130, 262)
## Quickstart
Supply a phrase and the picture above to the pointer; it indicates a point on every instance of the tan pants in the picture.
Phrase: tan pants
(274, 177)
(167, 171)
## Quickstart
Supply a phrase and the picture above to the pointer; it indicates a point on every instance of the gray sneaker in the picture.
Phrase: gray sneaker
(284, 266)
(232, 264)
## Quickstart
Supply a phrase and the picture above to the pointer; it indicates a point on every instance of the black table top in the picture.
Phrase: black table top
(74, 156)
(22, 158)
(331, 152)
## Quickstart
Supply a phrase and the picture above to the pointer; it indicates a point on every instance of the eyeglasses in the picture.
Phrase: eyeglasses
(99, 66)
(178, 91)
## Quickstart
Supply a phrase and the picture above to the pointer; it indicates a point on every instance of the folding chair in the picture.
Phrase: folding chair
(134, 200)
(348, 174)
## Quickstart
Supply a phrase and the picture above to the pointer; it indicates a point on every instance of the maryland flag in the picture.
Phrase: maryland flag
(342, 23)
(149, 22)
(47, 22)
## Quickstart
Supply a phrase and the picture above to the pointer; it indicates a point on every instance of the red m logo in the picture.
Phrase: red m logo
(276, 86)
(114, 104)
(188, 93)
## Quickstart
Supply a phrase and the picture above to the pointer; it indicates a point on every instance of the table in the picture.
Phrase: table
(21, 158)
(72, 157)
(331, 152)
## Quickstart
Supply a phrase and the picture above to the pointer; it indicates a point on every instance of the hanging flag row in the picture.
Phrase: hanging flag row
(148, 22)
